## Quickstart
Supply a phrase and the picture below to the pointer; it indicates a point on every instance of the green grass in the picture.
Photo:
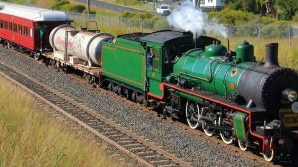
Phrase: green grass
(30, 138)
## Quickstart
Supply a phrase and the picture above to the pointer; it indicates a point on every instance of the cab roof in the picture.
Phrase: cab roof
(166, 36)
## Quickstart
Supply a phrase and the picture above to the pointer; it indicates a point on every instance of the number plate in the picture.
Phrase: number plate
(289, 119)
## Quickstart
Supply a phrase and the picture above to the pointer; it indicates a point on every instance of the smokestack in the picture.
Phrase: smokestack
(271, 59)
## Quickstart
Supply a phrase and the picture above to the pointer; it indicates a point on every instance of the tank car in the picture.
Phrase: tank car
(85, 45)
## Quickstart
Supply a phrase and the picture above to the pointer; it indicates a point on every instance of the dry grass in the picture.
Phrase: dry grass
(29, 138)
(287, 53)
(43, 3)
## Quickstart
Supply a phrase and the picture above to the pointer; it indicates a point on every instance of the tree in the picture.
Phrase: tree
(250, 6)
(235, 4)
(288, 8)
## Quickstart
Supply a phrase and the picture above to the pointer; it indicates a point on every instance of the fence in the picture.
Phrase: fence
(256, 33)
(118, 25)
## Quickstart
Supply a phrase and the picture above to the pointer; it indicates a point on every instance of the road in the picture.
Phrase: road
(112, 7)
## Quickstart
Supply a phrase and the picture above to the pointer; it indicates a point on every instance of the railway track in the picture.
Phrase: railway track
(139, 149)
(126, 144)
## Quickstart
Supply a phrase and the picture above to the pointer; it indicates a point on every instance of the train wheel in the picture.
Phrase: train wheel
(269, 155)
(208, 113)
(192, 114)
(134, 96)
(243, 145)
(110, 86)
(226, 135)
(8, 45)
(36, 56)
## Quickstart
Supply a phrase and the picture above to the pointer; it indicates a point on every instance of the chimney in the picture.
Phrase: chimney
(271, 59)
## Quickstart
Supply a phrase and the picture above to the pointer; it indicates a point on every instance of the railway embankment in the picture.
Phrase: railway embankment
(29, 137)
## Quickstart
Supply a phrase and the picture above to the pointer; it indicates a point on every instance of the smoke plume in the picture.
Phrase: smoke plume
(186, 17)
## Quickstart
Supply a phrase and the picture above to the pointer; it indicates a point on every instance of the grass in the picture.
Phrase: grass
(99, 11)
(29, 138)
(287, 50)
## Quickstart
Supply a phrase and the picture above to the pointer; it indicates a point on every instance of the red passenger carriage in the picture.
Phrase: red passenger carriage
(28, 28)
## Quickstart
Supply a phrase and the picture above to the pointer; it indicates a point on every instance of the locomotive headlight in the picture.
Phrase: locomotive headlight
(289, 95)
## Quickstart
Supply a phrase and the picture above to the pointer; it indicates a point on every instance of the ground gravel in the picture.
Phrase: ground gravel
(193, 148)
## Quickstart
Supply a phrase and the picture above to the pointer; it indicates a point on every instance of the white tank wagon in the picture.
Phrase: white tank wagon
(68, 41)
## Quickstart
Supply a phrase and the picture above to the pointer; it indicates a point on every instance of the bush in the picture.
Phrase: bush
(92, 12)
(58, 3)
(249, 30)
(295, 18)
(275, 30)
(161, 24)
(232, 16)
(149, 23)
(127, 15)
(136, 19)
(127, 2)
(73, 8)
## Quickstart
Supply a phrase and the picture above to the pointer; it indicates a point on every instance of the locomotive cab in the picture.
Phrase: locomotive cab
(167, 47)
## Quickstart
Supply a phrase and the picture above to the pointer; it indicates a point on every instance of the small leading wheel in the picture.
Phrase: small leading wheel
(225, 135)
(268, 154)
(192, 114)
(208, 113)
(243, 145)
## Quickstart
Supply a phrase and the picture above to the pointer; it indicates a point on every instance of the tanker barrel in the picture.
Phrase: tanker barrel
(271, 59)
(59, 31)
(84, 45)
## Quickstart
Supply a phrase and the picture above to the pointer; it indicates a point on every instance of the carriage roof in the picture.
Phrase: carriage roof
(32, 13)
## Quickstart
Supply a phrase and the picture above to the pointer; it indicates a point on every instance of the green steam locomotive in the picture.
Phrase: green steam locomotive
(200, 80)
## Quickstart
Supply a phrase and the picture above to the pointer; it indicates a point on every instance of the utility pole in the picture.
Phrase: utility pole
(88, 6)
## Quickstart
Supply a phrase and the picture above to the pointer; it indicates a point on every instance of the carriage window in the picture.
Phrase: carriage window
(15, 28)
(5, 24)
(20, 29)
(10, 26)
(26, 31)
(31, 32)
(1, 23)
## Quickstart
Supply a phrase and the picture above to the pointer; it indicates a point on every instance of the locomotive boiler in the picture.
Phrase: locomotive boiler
(238, 77)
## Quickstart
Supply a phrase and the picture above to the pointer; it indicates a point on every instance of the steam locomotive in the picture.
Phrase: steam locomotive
(197, 80)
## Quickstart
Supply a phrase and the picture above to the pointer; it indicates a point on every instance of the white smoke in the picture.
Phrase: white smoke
(186, 17)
